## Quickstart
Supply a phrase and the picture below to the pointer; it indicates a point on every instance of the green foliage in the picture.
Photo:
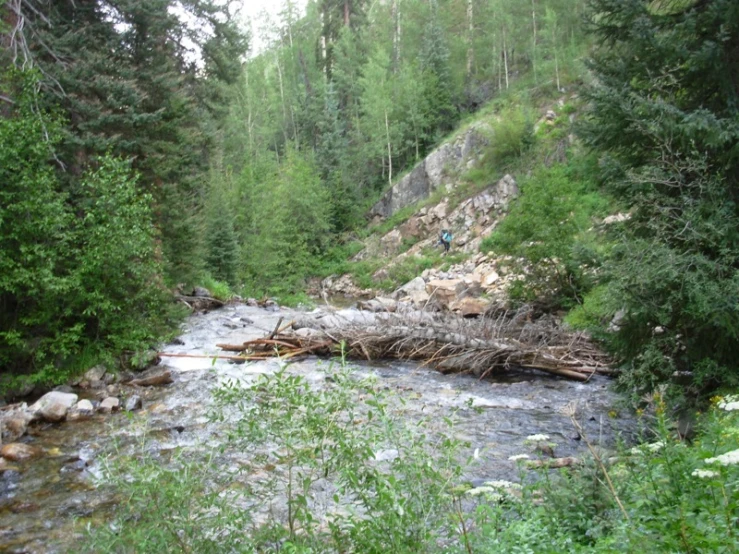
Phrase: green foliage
(674, 497)
(310, 440)
(68, 282)
(596, 311)
(291, 227)
(665, 118)
(198, 505)
(513, 134)
(548, 229)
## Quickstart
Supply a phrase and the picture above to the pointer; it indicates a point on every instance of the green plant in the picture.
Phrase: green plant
(549, 230)
(667, 496)
(513, 134)
(391, 481)
(179, 503)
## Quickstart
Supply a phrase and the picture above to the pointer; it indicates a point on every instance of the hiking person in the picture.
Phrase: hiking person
(446, 239)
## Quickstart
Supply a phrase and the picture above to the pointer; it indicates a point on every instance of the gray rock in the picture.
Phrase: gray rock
(95, 373)
(53, 406)
(14, 424)
(431, 173)
(110, 404)
(134, 403)
(82, 410)
(201, 292)
(414, 285)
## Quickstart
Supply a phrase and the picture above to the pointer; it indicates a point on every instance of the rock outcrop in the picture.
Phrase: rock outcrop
(438, 168)
(470, 222)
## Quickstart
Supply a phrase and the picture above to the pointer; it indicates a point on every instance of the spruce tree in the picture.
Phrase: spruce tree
(665, 115)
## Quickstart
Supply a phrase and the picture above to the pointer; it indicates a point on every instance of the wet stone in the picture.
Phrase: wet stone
(20, 452)
(110, 404)
(53, 406)
(82, 410)
(134, 403)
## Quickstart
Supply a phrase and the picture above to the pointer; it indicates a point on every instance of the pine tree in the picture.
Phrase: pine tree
(665, 115)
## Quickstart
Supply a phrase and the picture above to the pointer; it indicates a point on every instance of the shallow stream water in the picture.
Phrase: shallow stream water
(45, 504)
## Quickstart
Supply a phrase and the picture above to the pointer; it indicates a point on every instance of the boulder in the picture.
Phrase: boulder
(390, 243)
(134, 403)
(201, 292)
(82, 410)
(153, 378)
(445, 291)
(19, 452)
(53, 406)
(378, 304)
(411, 287)
(95, 373)
(110, 404)
(471, 307)
(14, 424)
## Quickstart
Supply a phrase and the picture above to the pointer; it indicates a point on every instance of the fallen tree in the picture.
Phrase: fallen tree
(500, 342)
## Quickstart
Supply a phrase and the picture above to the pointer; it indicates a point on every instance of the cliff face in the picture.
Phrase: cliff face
(441, 166)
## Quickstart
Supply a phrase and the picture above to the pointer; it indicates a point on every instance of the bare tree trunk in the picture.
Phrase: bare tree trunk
(533, 47)
(346, 13)
(470, 38)
(505, 58)
(389, 150)
(282, 97)
(396, 35)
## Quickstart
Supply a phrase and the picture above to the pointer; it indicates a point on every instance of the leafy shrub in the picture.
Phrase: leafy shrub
(311, 439)
(548, 229)
(513, 134)
(664, 496)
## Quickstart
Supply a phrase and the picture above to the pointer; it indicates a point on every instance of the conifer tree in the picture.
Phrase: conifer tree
(665, 115)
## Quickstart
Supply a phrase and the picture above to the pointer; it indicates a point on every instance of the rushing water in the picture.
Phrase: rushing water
(45, 504)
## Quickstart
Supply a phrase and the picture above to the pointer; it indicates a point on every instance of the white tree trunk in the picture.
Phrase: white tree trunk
(389, 150)
(470, 37)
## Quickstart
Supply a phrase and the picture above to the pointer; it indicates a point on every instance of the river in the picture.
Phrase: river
(46, 504)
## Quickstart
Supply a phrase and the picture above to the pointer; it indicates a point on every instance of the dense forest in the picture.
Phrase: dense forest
(146, 147)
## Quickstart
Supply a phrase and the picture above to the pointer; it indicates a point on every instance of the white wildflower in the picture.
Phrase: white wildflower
(502, 485)
(537, 438)
(489, 492)
(729, 403)
(705, 473)
(651, 447)
(518, 457)
(730, 458)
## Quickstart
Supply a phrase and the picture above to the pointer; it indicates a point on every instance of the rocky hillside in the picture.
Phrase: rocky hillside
(436, 195)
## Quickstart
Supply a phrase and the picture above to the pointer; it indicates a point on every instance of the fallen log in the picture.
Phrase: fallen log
(155, 380)
(452, 344)
(553, 463)
(445, 342)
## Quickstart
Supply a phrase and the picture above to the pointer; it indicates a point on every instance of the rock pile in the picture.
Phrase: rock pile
(468, 288)
(62, 405)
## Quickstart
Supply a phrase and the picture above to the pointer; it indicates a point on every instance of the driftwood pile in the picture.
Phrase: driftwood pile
(486, 346)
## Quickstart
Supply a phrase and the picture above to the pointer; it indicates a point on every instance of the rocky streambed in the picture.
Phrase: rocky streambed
(47, 500)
